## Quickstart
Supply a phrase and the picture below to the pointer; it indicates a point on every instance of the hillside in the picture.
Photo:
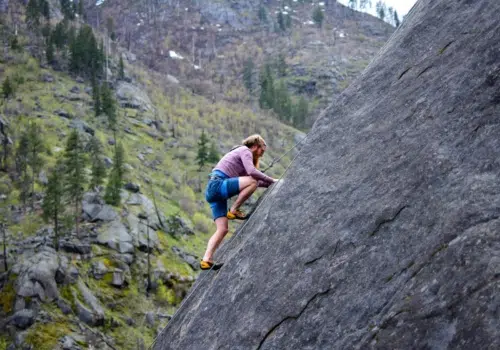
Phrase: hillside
(114, 282)
(93, 291)
(385, 233)
(206, 44)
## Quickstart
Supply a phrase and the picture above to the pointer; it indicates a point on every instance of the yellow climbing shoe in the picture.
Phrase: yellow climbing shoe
(207, 265)
(238, 215)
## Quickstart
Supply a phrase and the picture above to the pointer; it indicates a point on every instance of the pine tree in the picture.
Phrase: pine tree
(281, 65)
(202, 156)
(68, 9)
(96, 95)
(22, 151)
(281, 21)
(108, 105)
(300, 113)
(121, 69)
(80, 9)
(266, 99)
(288, 20)
(248, 74)
(33, 14)
(7, 88)
(59, 36)
(213, 154)
(75, 176)
(53, 201)
(115, 180)
(282, 102)
(262, 14)
(318, 16)
(45, 10)
(397, 22)
(96, 163)
(35, 147)
(49, 53)
(381, 8)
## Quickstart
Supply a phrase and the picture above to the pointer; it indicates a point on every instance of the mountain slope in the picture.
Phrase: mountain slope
(384, 233)
(207, 43)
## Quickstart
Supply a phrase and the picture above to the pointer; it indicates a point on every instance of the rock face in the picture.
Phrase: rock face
(384, 233)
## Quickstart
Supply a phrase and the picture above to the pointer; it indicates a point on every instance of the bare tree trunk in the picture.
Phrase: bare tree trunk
(5, 265)
(149, 258)
(56, 231)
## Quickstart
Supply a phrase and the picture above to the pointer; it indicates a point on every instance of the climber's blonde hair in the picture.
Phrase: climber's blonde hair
(251, 141)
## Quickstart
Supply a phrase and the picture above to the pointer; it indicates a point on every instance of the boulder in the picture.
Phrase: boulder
(94, 314)
(62, 113)
(130, 96)
(81, 126)
(140, 231)
(116, 236)
(118, 278)
(98, 212)
(192, 260)
(132, 187)
(36, 275)
(22, 319)
(386, 235)
(99, 269)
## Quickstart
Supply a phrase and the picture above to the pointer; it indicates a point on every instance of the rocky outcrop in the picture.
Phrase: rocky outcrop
(384, 233)
(116, 236)
(37, 276)
(130, 96)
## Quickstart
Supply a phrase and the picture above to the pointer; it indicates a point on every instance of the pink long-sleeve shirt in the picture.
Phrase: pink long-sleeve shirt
(239, 162)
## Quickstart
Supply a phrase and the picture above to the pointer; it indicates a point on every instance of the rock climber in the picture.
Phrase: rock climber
(236, 173)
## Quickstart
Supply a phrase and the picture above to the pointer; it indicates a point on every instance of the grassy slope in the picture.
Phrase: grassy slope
(175, 180)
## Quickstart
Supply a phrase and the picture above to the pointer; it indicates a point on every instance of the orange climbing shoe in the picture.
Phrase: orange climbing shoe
(209, 265)
(238, 215)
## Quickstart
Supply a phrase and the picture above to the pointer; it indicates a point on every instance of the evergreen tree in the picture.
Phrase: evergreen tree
(59, 36)
(266, 99)
(33, 14)
(49, 52)
(96, 163)
(22, 151)
(262, 14)
(281, 65)
(248, 74)
(96, 95)
(121, 69)
(202, 156)
(288, 21)
(80, 9)
(45, 10)
(213, 154)
(281, 21)
(35, 147)
(53, 201)
(282, 102)
(397, 22)
(85, 56)
(353, 4)
(381, 8)
(318, 16)
(75, 176)
(7, 88)
(115, 180)
(68, 9)
(108, 105)
(300, 113)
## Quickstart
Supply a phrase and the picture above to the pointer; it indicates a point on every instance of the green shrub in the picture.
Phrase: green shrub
(202, 223)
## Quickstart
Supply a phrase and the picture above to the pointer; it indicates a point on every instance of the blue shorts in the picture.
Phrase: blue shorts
(219, 189)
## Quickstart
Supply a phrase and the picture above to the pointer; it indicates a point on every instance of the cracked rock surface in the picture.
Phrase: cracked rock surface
(385, 232)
